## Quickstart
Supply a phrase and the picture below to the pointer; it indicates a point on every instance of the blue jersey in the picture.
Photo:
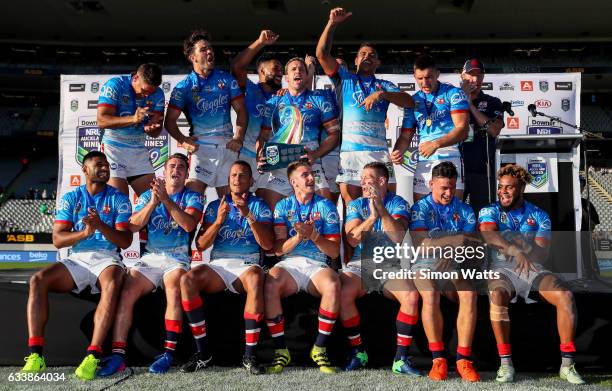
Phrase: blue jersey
(256, 99)
(165, 236)
(113, 207)
(362, 130)
(360, 209)
(118, 93)
(235, 238)
(299, 119)
(437, 107)
(206, 103)
(427, 215)
(320, 210)
(529, 221)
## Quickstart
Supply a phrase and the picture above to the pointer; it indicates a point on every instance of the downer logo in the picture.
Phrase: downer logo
(563, 85)
(487, 86)
(406, 86)
(76, 87)
(92, 104)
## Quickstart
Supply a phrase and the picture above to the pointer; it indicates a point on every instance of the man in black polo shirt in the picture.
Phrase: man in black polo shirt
(486, 121)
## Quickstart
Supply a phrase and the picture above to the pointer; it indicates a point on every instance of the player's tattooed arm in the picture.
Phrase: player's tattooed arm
(327, 61)
(356, 228)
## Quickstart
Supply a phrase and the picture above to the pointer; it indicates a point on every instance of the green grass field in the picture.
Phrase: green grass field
(218, 378)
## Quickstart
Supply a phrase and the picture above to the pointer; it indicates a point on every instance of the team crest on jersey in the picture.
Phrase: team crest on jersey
(531, 222)
(149, 103)
(221, 85)
(503, 218)
(308, 105)
(440, 101)
(482, 106)
(378, 86)
(316, 216)
(125, 99)
(456, 216)
(538, 169)
(95, 87)
(77, 207)
(106, 209)
(289, 214)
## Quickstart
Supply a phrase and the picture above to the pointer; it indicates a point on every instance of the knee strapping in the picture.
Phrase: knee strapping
(499, 313)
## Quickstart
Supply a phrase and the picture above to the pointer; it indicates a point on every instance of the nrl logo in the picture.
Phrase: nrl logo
(166, 86)
(538, 169)
(272, 155)
(74, 105)
(95, 87)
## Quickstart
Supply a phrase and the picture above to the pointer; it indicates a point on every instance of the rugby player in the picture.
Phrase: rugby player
(377, 211)
(486, 122)
(297, 117)
(169, 211)
(520, 231)
(205, 97)
(439, 220)
(130, 107)
(307, 232)
(93, 221)
(440, 117)
(270, 74)
(237, 227)
(365, 100)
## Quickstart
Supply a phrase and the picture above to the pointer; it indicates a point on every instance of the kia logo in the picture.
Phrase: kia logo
(131, 254)
(543, 103)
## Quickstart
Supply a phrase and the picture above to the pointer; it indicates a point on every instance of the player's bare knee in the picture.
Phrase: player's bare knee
(253, 279)
(188, 281)
(430, 298)
(408, 298)
(38, 283)
(467, 297)
(331, 288)
(499, 296)
(272, 287)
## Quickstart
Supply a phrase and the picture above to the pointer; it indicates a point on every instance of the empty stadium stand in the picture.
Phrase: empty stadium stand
(27, 216)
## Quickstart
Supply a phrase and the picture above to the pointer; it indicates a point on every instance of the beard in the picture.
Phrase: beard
(272, 83)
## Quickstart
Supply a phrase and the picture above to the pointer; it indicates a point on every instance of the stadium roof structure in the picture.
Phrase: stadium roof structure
(107, 22)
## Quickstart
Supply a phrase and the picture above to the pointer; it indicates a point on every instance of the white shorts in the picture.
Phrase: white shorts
(155, 267)
(301, 269)
(351, 165)
(521, 283)
(127, 162)
(211, 164)
(230, 269)
(331, 170)
(259, 180)
(353, 267)
(86, 267)
(422, 175)
(278, 181)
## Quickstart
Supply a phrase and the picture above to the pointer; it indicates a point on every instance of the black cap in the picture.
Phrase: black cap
(472, 64)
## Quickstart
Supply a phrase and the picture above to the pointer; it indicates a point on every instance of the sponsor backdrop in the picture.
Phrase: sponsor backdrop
(554, 94)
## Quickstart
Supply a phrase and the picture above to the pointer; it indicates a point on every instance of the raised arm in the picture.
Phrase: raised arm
(241, 62)
(327, 61)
